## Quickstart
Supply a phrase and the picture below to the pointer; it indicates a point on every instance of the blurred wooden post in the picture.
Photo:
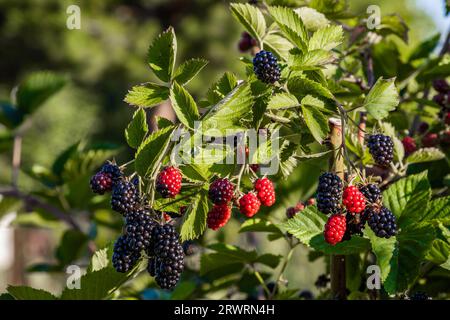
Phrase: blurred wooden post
(337, 265)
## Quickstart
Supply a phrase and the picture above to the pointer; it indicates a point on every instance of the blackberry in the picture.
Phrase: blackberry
(355, 225)
(383, 223)
(124, 197)
(246, 42)
(169, 262)
(168, 182)
(113, 170)
(265, 191)
(430, 140)
(101, 183)
(249, 204)
(419, 296)
(265, 66)
(138, 228)
(124, 258)
(329, 193)
(353, 200)
(371, 192)
(381, 148)
(441, 85)
(335, 229)
(190, 248)
(218, 216)
(151, 266)
(221, 191)
(409, 144)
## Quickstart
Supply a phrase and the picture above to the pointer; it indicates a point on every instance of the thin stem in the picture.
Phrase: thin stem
(283, 268)
(16, 159)
(261, 281)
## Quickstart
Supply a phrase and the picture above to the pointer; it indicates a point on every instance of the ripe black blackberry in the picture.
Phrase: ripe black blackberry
(124, 197)
(169, 262)
(329, 193)
(221, 191)
(138, 228)
(355, 225)
(105, 179)
(381, 148)
(266, 68)
(124, 258)
(371, 192)
(113, 170)
(382, 222)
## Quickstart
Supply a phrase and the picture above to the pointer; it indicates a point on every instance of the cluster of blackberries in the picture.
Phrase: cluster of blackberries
(381, 148)
(299, 207)
(442, 97)
(221, 194)
(359, 205)
(142, 233)
(266, 68)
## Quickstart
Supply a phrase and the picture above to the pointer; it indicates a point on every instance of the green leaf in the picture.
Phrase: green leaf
(301, 87)
(353, 246)
(268, 259)
(188, 70)
(439, 252)
(150, 150)
(317, 123)
(278, 45)
(184, 105)
(393, 24)
(194, 221)
(312, 19)
(162, 54)
(222, 87)
(225, 256)
(425, 155)
(163, 122)
(28, 293)
(71, 246)
(399, 258)
(147, 95)
(251, 18)
(137, 129)
(329, 6)
(437, 208)
(425, 48)
(382, 98)
(36, 89)
(229, 114)
(282, 101)
(408, 198)
(326, 38)
(291, 25)
(312, 60)
(259, 225)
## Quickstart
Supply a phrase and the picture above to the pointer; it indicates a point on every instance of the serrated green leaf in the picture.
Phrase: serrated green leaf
(282, 101)
(326, 38)
(425, 155)
(188, 70)
(382, 98)
(312, 19)
(268, 259)
(425, 48)
(317, 123)
(229, 114)
(150, 150)
(137, 129)
(393, 24)
(184, 105)
(290, 25)
(28, 293)
(162, 54)
(329, 6)
(437, 208)
(224, 256)
(251, 18)
(36, 89)
(147, 95)
(311, 60)
(163, 122)
(439, 252)
(194, 221)
(70, 246)
(222, 87)
(408, 198)
(352, 246)
(301, 87)
(278, 45)
(259, 225)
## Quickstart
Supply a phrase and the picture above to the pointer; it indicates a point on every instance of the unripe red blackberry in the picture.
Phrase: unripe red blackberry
(329, 193)
(168, 182)
(265, 66)
(101, 183)
(441, 85)
(265, 191)
(382, 222)
(353, 200)
(292, 211)
(138, 229)
(371, 192)
(335, 229)
(218, 216)
(221, 191)
(124, 197)
(311, 202)
(409, 144)
(381, 148)
(430, 140)
(249, 204)
(124, 258)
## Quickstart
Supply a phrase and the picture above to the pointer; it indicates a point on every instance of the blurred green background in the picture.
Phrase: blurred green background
(108, 55)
